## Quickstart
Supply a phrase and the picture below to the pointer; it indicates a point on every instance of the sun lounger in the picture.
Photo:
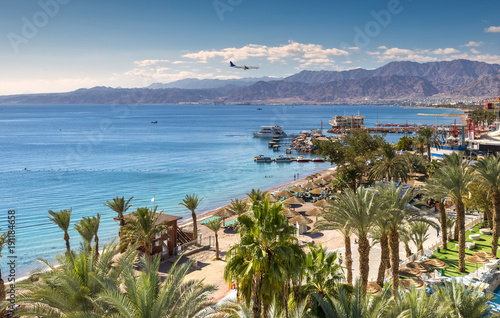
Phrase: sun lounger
(213, 218)
(231, 223)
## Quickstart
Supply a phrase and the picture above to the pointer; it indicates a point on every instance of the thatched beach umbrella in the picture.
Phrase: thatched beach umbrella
(272, 198)
(314, 212)
(311, 177)
(297, 189)
(322, 182)
(328, 178)
(484, 255)
(373, 288)
(290, 213)
(418, 283)
(284, 194)
(435, 263)
(310, 185)
(316, 191)
(302, 222)
(322, 204)
(409, 272)
(476, 260)
(418, 266)
(223, 213)
(294, 201)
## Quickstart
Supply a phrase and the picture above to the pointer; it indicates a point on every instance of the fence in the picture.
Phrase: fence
(429, 251)
(202, 243)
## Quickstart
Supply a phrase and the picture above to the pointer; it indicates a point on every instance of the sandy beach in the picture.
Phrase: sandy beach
(212, 271)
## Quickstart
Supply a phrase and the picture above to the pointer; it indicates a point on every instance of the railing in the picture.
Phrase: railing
(201, 243)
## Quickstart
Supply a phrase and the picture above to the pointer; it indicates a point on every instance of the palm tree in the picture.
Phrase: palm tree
(405, 238)
(262, 262)
(339, 222)
(146, 296)
(381, 235)
(95, 222)
(488, 170)
(191, 202)
(454, 178)
(62, 219)
(85, 229)
(361, 209)
(215, 226)
(419, 304)
(397, 210)
(357, 305)
(120, 206)
(71, 286)
(390, 165)
(428, 139)
(322, 273)
(420, 233)
(415, 163)
(3, 241)
(238, 206)
(257, 195)
(470, 302)
(143, 229)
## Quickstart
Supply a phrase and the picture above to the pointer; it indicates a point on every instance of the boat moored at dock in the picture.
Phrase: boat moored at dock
(283, 159)
(262, 159)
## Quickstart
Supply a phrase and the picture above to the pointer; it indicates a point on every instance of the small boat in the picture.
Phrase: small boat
(154, 122)
(259, 108)
(262, 159)
(318, 159)
(302, 159)
(282, 159)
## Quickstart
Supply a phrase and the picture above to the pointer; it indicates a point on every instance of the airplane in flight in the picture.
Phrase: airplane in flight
(243, 67)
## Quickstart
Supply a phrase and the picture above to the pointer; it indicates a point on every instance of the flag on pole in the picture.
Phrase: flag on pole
(153, 199)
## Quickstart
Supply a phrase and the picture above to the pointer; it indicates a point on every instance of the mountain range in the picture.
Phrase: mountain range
(395, 81)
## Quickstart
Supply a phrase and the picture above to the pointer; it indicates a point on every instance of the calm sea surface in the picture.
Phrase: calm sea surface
(60, 156)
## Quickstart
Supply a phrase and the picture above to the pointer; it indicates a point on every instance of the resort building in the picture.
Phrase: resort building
(347, 122)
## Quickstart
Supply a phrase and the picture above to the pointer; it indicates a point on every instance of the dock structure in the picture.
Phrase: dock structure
(347, 122)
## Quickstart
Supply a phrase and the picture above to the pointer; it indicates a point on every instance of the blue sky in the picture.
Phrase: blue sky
(62, 45)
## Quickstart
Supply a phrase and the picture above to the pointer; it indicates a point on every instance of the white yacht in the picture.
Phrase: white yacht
(270, 132)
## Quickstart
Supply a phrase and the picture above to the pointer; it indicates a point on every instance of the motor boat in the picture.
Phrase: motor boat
(282, 159)
(262, 159)
(270, 132)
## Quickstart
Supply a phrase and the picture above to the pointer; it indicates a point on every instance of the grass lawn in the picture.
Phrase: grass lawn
(450, 257)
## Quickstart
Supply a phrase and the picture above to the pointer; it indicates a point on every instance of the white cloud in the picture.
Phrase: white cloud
(487, 58)
(372, 53)
(445, 51)
(150, 62)
(382, 47)
(308, 53)
(492, 29)
(32, 86)
(473, 44)
(405, 54)
(353, 48)
(474, 51)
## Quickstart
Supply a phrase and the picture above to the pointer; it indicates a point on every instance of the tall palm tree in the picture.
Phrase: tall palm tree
(381, 235)
(238, 206)
(3, 241)
(390, 165)
(85, 229)
(415, 163)
(120, 206)
(361, 209)
(339, 222)
(146, 296)
(454, 178)
(95, 222)
(143, 230)
(488, 170)
(191, 202)
(71, 286)
(63, 220)
(215, 226)
(428, 139)
(405, 238)
(261, 262)
(397, 209)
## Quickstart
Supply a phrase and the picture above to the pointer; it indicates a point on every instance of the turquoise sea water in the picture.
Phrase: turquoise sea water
(79, 156)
